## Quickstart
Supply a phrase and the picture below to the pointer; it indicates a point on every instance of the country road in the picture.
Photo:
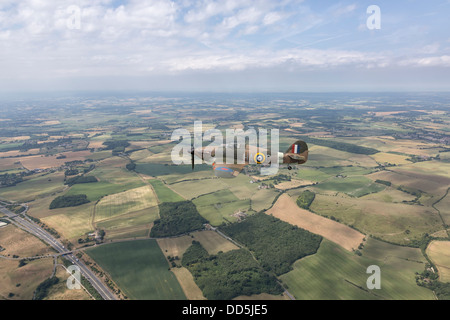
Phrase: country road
(31, 227)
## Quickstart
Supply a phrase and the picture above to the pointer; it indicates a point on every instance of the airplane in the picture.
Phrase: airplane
(297, 153)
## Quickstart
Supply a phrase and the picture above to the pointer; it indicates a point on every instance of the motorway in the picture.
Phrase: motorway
(31, 227)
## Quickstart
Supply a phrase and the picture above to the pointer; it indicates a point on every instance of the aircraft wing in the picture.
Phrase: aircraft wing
(227, 170)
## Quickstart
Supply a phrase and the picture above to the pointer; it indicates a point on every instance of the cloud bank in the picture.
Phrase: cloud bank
(97, 44)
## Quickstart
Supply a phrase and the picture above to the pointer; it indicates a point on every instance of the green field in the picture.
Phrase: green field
(263, 199)
(95, 191)
(193, 189)
(395, 222)
(336, 274)
(347, 171)
(312, 174)
(146, 278)
(356, 186)
(219, 213)
(156, 169)
(163, 193)
(111, 180)
(222, 196)
(35, 187)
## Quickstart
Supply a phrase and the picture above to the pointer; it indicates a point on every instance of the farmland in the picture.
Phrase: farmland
(439, 253)
(374, 189)
(148, 270)
(125, 202)
(163, 193)
(19, 281)
(335, 274)
(287, 210)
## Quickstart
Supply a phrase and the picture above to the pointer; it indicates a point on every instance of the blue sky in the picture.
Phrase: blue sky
(226, 45)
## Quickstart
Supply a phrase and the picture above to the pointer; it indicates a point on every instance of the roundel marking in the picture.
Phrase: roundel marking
(260, 158)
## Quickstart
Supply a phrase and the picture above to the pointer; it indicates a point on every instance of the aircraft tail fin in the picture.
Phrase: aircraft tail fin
(298, 152)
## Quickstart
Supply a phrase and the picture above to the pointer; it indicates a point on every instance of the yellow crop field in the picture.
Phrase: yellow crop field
(391, 158)
(125, 202)
(439, 253)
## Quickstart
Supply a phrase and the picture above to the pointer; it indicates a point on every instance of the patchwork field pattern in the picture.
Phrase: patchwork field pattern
(287, 210)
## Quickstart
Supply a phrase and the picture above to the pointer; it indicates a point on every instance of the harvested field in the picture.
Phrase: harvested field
(210, 240)
(125, 202)
(292, 184)
(17, 242)
(213, 242)
(187, 283)
(17, 153)
(383, 158)
(174, 247)
(287, 210)
(439, 253)
(60, 290)
(132, 219)
(22, 282)
(43, 162)
(135, 232)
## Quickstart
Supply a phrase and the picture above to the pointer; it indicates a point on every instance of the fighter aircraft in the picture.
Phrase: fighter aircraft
(297, 153)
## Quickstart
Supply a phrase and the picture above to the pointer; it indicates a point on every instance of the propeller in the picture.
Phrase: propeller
(192, 157)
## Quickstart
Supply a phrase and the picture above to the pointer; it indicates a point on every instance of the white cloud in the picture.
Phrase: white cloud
(435, 61)
(271, 18)
(157, 37)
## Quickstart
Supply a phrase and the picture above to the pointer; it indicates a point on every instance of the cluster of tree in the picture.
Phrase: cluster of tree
(305, 199)
(116, 146)
(33, 144)
(413, 192)
(131, 166)
(42, 289)
(71, 172)
(73, 163)
(275, 243)
(89, 169)
(177, 218)
(194, 254)
(386, 183)
(85, 240)
(101, 234)
(81, 179)
(341, 146)
(410, 191)
(10, 179)
(22, 262)
(69, 201)
(282, 177)
(15, 208)
(228, 275)
(172, 261)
